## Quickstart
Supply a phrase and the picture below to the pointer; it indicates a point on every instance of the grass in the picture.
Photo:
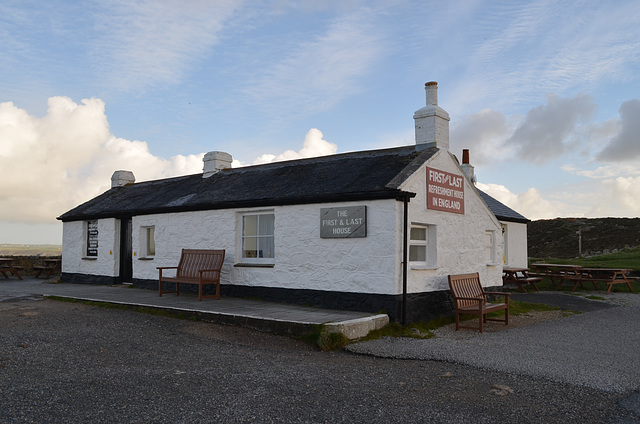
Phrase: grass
(626, 258)
(424, 329)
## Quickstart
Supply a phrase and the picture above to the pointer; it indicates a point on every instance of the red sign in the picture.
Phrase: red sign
(445, 191)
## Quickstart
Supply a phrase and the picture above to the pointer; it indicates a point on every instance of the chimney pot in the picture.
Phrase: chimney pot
(467, 167)
(465, 156)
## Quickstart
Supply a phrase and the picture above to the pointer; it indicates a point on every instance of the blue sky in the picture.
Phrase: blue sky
(545, 94)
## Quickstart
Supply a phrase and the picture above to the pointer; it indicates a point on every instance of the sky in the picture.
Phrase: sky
(544, 94)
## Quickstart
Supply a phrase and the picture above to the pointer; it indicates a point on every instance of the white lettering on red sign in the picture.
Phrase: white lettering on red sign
(445, 191)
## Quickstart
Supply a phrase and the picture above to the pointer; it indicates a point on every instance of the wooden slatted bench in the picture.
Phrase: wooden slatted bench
(470, 298)
(196, 266)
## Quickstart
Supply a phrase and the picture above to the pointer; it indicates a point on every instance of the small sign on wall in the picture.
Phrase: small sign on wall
(445, 191)
(344, 222)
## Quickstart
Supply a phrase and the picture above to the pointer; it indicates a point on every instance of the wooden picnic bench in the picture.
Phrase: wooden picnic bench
(520, 277)
(50, 267)
(196, 266)
(470, 298)
(7, 267)
(610, 276)
(558, 273)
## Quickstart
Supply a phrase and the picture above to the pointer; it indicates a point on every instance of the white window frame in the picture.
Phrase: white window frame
(429, 243)
(147, 235)
(490, 247)
(242, 237)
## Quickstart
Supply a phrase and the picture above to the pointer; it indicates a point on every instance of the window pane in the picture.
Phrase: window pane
(151, 242)
(250, 247)
(418, 233)
(250, 225)
(267, 247)
(266, 225)
(417, 253)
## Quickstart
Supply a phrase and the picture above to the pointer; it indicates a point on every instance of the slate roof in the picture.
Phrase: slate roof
(365, 175)
(500, 210)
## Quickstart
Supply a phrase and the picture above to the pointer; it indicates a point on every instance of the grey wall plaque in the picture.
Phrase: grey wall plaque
(344, 222)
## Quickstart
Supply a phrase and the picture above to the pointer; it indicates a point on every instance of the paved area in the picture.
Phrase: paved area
(266, 316)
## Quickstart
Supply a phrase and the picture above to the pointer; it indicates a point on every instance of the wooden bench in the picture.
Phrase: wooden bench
(195, 267)
(470, 298)
(50, 267)
(520, 277)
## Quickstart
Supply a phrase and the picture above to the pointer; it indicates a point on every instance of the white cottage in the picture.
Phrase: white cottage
(372, 231)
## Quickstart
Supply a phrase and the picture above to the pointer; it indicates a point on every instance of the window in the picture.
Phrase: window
(257, 238)
(149, 240)
(422, 246)
(92, 238)
(490, 247)
(418, 244)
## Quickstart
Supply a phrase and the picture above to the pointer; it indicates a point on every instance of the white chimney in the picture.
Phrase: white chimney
(467, 167)
(122, 178)
(215, 162)
(432, 122)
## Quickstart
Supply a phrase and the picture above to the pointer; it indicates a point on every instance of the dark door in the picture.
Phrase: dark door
(126, 251)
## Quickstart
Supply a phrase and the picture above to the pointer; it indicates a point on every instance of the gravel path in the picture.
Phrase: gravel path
(599, 349)
(71, 363)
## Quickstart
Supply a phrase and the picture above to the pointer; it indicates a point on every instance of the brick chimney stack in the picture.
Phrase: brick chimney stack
(467, 167)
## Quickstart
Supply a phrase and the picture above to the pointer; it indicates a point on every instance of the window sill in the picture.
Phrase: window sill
(494, 264)
(246, 265)
(146, 258)
(89, 258)
(422, 267)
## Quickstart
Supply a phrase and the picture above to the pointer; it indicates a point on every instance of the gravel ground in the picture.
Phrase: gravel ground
(599, 349)
(72, 363)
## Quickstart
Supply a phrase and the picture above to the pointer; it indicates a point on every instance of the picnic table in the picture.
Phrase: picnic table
(50, 267)
(559, 273)
(7, 267)
(610, 276)
(519, 276)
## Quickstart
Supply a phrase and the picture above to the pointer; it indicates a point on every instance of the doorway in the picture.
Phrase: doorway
(126, 251)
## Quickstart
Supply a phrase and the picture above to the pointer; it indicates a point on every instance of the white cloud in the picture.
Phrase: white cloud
(319, 73)
(314, 145)
(483, 133)
(529, 203)
(625, 145)
(52, 163)
(548, 131)
(142, 43)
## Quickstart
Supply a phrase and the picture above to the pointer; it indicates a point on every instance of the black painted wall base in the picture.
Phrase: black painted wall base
(420, 306)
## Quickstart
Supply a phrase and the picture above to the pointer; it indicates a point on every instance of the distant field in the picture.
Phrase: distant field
(30, 250)
(625, 258)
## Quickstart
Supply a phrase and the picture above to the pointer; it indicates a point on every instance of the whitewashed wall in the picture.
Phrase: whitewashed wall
(461, 239)
(74, 259)
(303, 259)
(516, 242)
